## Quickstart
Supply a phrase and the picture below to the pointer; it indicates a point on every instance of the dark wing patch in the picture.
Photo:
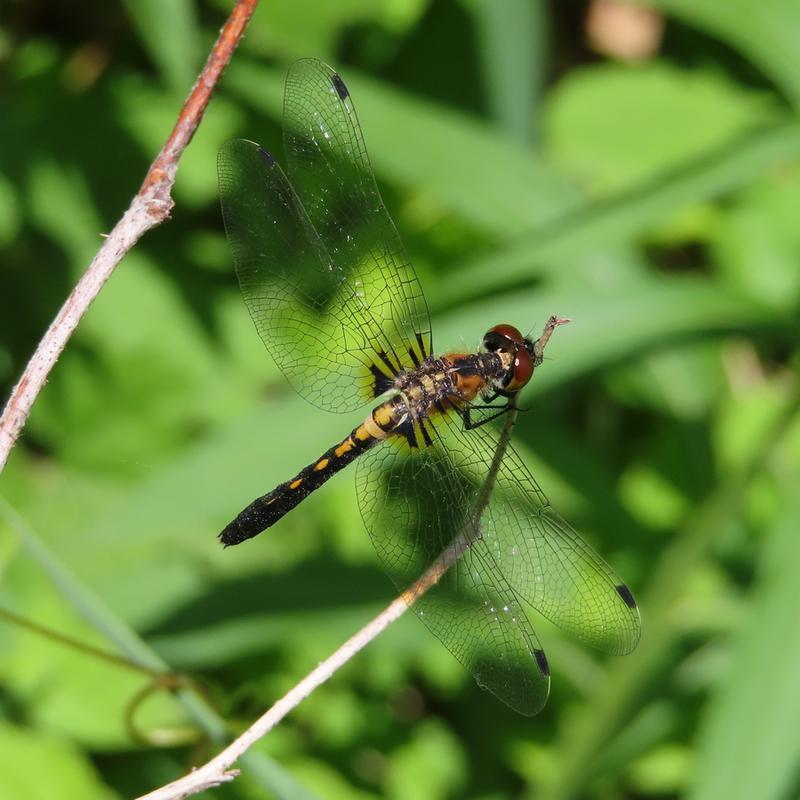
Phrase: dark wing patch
(426, 436)
(626, 595)
(338, 84)
(267, 157)
(381, 382)
(541, 660)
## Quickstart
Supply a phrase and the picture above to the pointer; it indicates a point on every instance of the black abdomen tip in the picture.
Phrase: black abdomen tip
(625, 593)
(240, 530)
(258, 516)
(232, 534)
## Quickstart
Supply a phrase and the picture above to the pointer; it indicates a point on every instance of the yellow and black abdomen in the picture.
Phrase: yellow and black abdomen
(265, 511)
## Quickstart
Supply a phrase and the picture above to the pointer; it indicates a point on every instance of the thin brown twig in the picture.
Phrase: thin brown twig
(150, 207)
(158, 680)
(219, 769)
(76, 644)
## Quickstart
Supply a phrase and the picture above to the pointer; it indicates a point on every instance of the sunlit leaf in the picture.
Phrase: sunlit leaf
(765, 32)
(68, 771)
(169, 31)
(731, 761)
(612, 125)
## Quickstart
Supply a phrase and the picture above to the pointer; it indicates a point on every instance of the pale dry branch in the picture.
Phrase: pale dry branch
(219, 769)
(149, 208)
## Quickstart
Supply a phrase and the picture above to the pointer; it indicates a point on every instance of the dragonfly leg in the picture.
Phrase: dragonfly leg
(491, 398)
(470, 424)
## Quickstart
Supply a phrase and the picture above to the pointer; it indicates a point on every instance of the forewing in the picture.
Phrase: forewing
(540, 555)
(315, 322)
(330, 170)
(415, 503)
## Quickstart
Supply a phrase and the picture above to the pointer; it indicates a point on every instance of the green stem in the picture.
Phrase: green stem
(76, 644)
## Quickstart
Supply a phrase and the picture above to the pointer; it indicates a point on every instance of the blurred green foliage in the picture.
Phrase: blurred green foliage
(656, 203)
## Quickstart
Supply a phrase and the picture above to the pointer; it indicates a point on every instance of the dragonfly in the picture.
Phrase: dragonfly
(340, 309)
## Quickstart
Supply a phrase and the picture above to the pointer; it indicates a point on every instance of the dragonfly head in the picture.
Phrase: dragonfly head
(516, 354)
(519, 354)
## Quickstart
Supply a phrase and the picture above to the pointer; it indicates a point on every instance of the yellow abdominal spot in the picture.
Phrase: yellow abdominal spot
(362, 434)
(383, 415)
(295, 483)
(321, 464)
(345, 447)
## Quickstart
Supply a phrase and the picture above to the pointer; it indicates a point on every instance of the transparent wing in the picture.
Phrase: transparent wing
(311, 320)
(329, 167)
(542, 557)
(415, 502)
(324, 278)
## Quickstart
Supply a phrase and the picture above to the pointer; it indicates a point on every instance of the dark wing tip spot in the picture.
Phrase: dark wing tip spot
(338, 84)
(625, 593)
(267, 157)
(541, 660)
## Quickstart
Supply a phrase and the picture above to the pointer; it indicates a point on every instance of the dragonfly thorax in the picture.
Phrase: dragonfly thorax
(503, 366)
(454, 379)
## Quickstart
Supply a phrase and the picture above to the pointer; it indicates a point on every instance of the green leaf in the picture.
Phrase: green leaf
(61, 204)
(684, 380)
(667, 769)
(650, 498)
(429, 765)
(169, 31)
(129, 397)
(35, 765)
(10, 212)
(757, 242)
(87, 604)
(605, 715)
(301, 28)
(766, 32)
(622, 216)
(182, 505)
(512, 54)
(147, 114)
(327, 781)
(748, 744)
(613, 125)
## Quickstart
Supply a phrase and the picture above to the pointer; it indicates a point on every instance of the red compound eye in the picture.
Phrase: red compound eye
(509, 332)
(523, 369)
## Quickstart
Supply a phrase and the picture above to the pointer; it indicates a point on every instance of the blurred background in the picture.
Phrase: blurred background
(634, 167)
